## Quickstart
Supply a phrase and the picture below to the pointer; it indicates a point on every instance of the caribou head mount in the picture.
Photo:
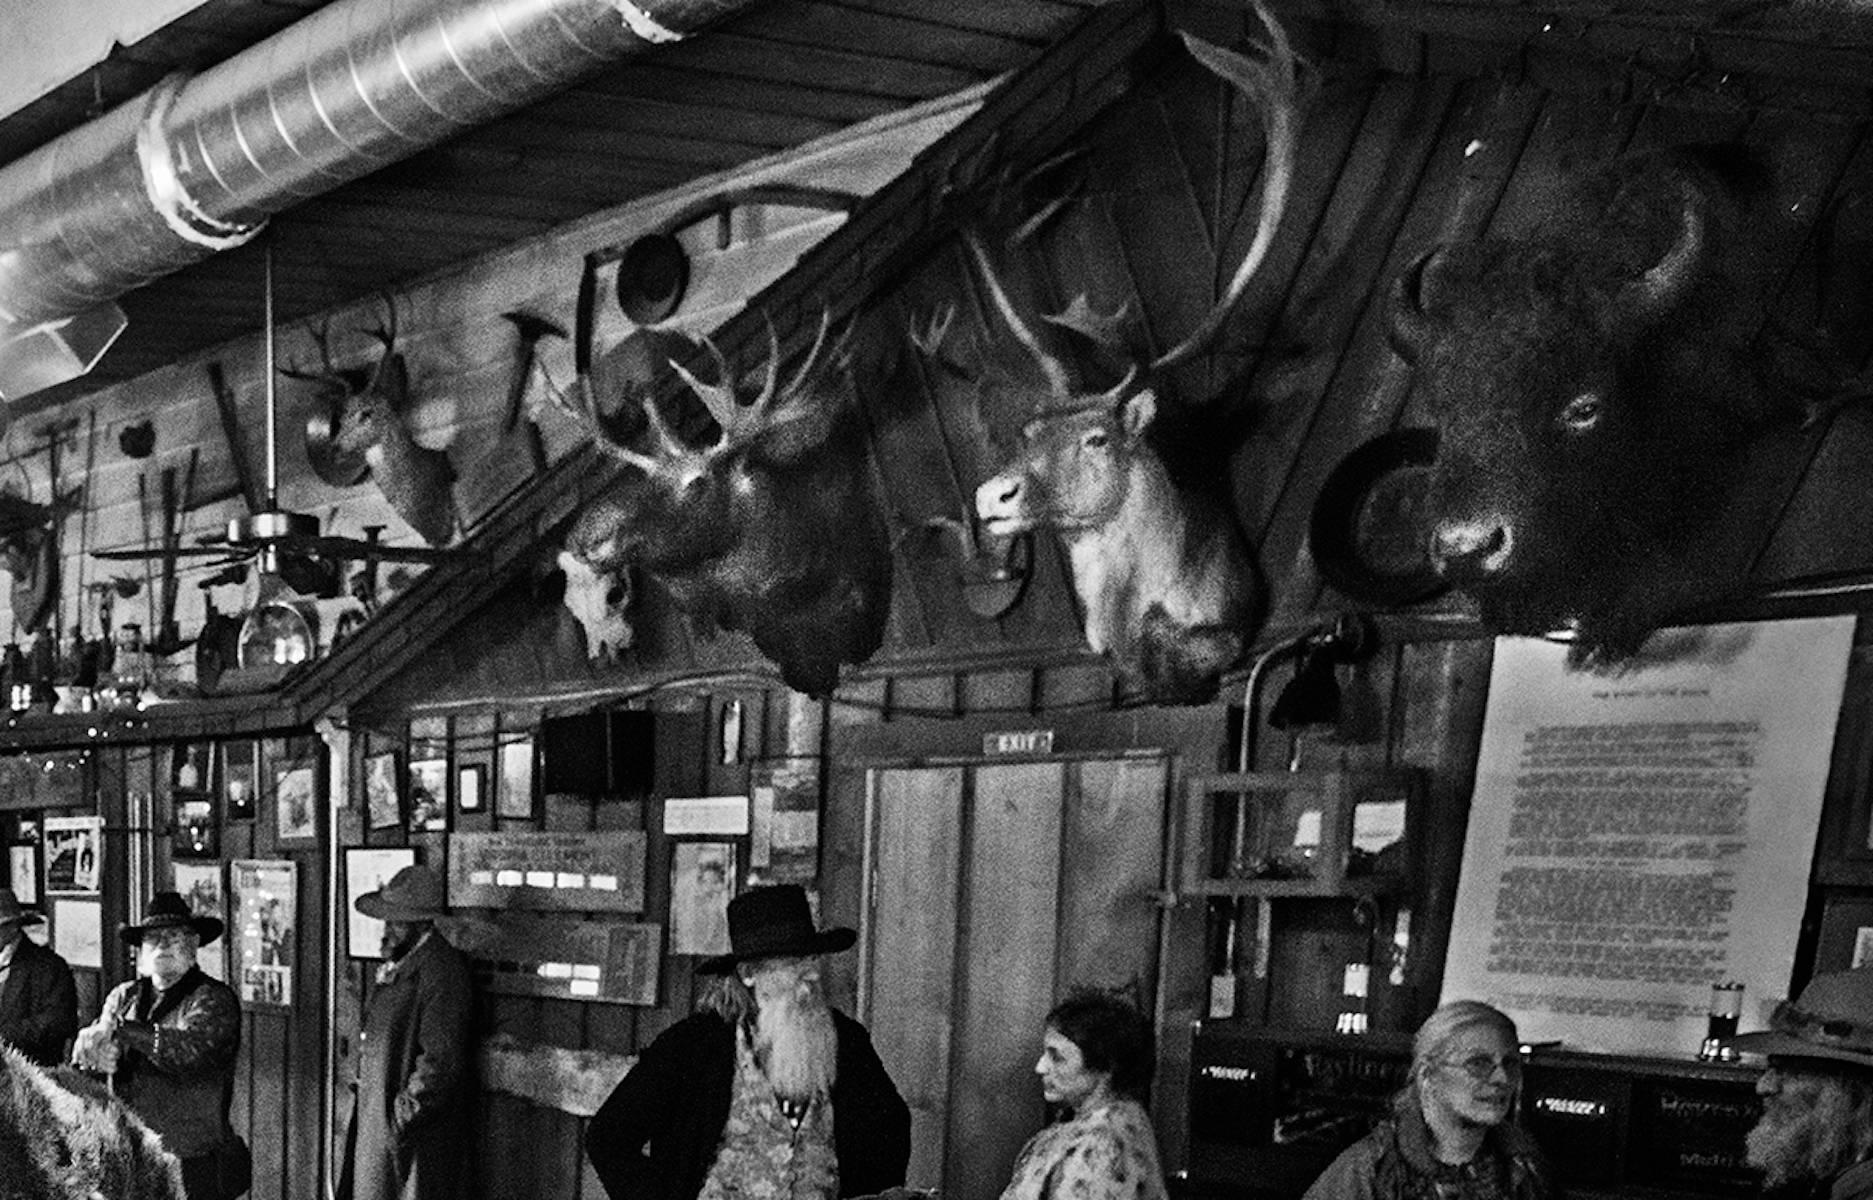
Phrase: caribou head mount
(768, 527)
(1165, 581)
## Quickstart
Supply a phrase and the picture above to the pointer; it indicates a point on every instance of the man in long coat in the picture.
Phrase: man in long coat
(410, 1123)
(38, 1001)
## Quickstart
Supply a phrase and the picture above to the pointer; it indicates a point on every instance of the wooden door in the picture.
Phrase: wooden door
(992, 887)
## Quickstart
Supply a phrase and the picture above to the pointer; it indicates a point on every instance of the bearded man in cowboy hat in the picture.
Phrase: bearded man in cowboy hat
(766, 1091)
(410, 1120)
(1816, 1129)
(38, 1002)
(169, 1039)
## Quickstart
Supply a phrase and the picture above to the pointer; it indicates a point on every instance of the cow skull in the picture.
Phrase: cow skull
(601, 602)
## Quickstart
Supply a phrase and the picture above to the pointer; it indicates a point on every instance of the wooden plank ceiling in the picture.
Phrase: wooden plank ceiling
(777, 76)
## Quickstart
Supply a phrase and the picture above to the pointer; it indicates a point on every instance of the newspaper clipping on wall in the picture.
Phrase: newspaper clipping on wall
(1636, 837)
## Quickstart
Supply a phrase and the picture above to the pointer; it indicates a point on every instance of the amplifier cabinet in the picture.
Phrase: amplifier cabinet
(1269, 1109)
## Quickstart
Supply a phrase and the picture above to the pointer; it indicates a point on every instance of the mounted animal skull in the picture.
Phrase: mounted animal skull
(1596, 380)
(770, 528)
(601, 603)
(369, 428)
(1162, 574)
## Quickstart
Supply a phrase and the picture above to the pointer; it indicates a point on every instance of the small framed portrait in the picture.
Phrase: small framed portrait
(23, 873)
(471, 786)
(296, 804)
(429, 795)
(383, 800)
(514, 796)
(192, 768)
(263, 896)
(240, 778)
(200, 885)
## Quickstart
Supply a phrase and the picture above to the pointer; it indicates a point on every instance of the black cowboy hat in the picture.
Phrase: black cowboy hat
(168, 910)
(774, 922)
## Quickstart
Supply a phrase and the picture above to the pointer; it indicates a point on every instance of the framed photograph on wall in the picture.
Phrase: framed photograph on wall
(383, 801)
(702, 879)
(296, 804)
(192, 768)
(514, 795)
(429, 795)
(263, 896)
(78, 932)
(368, 868)
(240, 778)
(200, 884)
(23, 873)
(74, 855)
(471, 785)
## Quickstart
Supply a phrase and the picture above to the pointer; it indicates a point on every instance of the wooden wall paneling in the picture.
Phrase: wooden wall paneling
(1112, 861)
(681, 734)
(556, 1140)
(114, 901)
(911, 949)
(844, 860)
(1844, 853)
(1454, 179)
(305, 1025)
(1011, 888)
(1442, 690)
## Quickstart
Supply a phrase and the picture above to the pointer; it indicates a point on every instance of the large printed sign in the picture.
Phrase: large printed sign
(1635, 838)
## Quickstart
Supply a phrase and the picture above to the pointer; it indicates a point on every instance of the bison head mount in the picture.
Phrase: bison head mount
(1164, 579)
(1596, 381)
(766, 523)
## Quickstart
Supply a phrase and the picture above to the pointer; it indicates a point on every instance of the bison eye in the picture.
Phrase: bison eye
(1581, 413)
(1095, 439)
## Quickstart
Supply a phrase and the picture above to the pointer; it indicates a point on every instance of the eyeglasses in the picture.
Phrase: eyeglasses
(1482, 1067)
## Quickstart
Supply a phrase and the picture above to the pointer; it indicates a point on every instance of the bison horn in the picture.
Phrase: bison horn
(1412, 326)
(1661, 286)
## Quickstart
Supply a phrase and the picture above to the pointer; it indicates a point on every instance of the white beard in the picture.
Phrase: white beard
(1796, 1140)
(796, 1044)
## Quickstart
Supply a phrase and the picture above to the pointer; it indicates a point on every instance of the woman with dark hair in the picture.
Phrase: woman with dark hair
(1451, 1135)
(1097, 1058)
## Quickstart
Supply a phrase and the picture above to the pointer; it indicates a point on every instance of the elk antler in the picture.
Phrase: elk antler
(1272, 83)
(1059, 382)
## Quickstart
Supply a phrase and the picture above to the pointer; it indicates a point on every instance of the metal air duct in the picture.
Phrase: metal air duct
(198, 164)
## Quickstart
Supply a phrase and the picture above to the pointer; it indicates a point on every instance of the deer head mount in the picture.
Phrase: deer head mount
(1162, 573)
(358, 429)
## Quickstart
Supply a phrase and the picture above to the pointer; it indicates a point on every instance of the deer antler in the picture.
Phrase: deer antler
(1059, 383)
(1272, 83)
(742, 423)
(585, 413)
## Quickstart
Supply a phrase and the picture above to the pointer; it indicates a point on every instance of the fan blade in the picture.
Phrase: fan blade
(157, 553)
(335, 546)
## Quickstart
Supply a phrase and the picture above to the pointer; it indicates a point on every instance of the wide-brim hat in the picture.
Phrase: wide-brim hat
(1832, 1020)
(168, 910)
(415, 893)
(774, 922)
(12, 914)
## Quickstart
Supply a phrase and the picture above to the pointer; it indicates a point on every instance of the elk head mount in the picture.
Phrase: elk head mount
(1162, 573)
(766, 523)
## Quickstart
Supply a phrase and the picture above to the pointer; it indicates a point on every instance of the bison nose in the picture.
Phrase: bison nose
(1470, 547)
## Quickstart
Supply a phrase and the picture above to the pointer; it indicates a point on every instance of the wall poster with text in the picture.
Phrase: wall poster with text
(1636, 837)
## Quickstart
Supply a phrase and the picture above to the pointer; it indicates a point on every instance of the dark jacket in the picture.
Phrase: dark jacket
(1396, 1162)
(410, 1124)
(179, 1047)
(677, 1097)
(39, 1004)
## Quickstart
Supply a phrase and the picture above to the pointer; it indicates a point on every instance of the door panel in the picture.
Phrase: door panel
(992, 887)
(911, 946)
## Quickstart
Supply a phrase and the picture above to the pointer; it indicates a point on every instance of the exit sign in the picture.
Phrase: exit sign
(1019, 741)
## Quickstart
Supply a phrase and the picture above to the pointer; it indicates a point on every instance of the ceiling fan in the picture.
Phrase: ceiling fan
(282, 544)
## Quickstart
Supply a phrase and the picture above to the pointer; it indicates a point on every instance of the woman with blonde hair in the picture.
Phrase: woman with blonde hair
(1452, 1134)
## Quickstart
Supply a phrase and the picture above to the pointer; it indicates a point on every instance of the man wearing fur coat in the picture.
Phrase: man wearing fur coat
(410, 1122)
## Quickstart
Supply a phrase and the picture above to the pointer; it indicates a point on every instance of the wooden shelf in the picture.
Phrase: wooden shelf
(1310, 815)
